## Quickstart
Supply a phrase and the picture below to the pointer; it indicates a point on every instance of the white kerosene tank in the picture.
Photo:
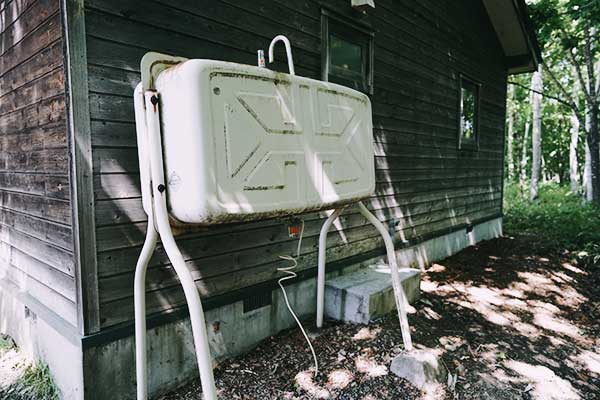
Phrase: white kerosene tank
(243, 142)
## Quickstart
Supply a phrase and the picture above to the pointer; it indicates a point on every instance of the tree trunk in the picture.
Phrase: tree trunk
(536, 136)
(524, 146)
(587, 167)
(592, 141)
(511, 133)
(591, 171)
(573, 162)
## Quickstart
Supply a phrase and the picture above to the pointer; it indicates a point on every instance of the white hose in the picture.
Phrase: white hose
(291, 275)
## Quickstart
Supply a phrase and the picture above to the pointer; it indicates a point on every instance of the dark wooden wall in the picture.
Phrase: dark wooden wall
(424, 182)
(35, 215)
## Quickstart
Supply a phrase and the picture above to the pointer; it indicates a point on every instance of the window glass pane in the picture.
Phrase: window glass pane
(468, 107)
(345, 57)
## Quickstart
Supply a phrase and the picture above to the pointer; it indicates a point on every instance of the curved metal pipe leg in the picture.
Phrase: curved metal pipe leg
(397, 284)
(168, 241)
(139, 296)
(321, 269)
(195, 306)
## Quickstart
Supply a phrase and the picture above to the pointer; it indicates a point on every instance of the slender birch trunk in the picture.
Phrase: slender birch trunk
(524, 158)
(573, 162)
(511, 133)
(587, 167)
(594, 145)
(536, 136)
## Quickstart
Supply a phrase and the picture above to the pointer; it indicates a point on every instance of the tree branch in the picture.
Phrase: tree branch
(573, 103)
(566, 103)
(569, 103)
(584, 87)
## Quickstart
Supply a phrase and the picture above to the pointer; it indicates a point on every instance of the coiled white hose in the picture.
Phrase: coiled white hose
(291, 275)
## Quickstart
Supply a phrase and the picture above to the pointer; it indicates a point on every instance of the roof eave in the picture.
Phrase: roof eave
(515, 33)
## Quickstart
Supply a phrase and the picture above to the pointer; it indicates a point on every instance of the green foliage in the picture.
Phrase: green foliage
(558, 221)
(6, 343)
(568, 31)
(564, 22)
(36, 383)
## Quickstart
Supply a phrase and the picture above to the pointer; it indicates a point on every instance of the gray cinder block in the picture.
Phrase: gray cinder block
(367, 293)
(422, 368)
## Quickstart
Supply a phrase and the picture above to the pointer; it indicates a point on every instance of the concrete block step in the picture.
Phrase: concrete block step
(365, 294)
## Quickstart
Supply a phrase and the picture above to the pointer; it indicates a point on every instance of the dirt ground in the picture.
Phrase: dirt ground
(508, 323)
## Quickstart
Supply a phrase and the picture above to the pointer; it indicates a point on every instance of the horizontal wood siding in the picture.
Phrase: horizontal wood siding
(36, 246)
(424, 184)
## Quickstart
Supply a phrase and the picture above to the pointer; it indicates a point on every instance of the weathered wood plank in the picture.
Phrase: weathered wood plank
(122, 310)
(47, 111)
(42, 207)
(50, 186)
(220, 241)
(11, 11)
(54, 279)
(52, 161)
(82, 189)
(30, 19)
(49, 136)
(122, 260)
(45, 87)
(121, 30)
(49, 59)
(36, 246)
(39, 39)
(62, 306)
(201, 22)
(50, 232)
(51, 255)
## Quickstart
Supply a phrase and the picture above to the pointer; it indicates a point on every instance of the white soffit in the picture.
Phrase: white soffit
(508, 27)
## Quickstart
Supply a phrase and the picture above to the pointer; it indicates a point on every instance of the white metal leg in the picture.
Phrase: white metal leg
(399, 294)
(139, 296)
(321, 269)
(161, 218)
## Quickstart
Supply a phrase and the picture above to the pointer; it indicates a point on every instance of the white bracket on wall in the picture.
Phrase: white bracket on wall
(363, 5)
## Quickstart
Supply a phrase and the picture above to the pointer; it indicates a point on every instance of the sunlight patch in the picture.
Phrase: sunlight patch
(428, 286)
(590, 360)
(573, 268)
(339, 379)
(430, 313)
(436, 268)
(546, 384)
(368, 366)
(548, 322)
(304, 380)
(366, 333)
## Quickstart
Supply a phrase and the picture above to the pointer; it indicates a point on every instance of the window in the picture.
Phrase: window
(347, 53)
(468, 137)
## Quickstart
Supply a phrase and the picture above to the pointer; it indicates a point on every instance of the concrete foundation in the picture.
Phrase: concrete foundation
(107, 371)
(39, 340)
(423, 254)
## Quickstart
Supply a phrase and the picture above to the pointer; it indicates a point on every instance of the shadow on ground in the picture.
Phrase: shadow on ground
(514, 324)
(510, 324)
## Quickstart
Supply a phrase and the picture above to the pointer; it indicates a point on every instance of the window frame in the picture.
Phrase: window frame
(355, 33)
(472, 144)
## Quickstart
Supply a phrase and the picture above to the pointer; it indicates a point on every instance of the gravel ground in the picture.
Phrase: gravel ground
(511, 322)
(12, 363)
